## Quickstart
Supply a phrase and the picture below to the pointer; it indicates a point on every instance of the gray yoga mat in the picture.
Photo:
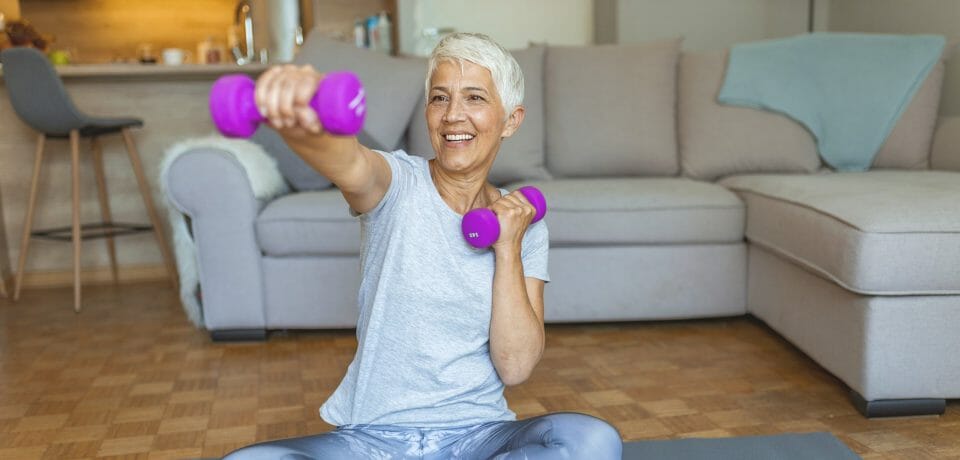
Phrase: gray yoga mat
(807, 446)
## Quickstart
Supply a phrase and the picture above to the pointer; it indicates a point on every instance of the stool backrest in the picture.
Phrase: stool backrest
(37, 93)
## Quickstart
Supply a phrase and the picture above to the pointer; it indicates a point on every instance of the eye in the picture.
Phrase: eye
(476, 98)
(438, 98)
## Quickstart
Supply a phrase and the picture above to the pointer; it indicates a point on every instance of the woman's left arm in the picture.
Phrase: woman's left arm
(516, 323)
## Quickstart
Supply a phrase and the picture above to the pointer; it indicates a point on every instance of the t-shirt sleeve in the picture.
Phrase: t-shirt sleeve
(535, 251)
(399, 179)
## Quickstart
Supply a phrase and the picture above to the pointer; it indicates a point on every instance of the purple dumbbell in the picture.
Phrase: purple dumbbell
(481, 228)
(339, 102)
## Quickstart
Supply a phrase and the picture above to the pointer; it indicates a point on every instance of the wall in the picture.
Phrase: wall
(335, 18)
(913, 17)
(10, 8)
(704, 24)
(512, 23)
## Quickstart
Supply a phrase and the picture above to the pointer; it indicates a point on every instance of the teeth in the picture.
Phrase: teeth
(458, 137)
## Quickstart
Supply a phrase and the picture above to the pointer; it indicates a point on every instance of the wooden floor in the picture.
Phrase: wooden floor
(128, 377)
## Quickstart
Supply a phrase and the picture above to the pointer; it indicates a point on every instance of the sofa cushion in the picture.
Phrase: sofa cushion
(875, 233)
(611, 109)
(308, 224)
(618, 211)
(718, 140)
(521, 156)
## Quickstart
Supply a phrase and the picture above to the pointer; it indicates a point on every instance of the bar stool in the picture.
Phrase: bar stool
(41, 101)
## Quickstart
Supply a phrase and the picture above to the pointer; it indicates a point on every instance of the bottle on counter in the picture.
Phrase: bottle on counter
(383, 31)
(359, 34)
(373, 33)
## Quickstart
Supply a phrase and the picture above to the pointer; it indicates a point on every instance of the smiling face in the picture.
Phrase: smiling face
(466, 118)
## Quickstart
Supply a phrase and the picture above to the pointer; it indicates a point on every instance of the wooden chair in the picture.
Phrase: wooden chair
(41, 101)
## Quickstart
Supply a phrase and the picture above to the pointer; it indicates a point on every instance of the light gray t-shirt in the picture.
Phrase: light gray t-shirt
(423, 354)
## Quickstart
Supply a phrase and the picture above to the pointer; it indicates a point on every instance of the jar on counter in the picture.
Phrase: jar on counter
(209, 51)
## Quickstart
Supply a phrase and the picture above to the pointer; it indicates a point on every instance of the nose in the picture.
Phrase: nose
(454, 112)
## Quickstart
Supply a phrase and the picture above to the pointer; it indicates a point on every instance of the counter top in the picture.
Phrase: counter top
(152, 71)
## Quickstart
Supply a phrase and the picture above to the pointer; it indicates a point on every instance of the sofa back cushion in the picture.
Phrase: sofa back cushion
(611, 109)
(297, 173)
(719, 140)
(945, 152)
(910, 141)
(521, 156)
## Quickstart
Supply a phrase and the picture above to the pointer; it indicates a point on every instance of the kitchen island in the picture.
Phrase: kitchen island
(172, 102)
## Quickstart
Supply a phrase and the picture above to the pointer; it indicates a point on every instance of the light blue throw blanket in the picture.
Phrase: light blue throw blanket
(847, 89)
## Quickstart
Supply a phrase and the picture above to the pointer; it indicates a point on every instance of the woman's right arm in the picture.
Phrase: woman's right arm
(283, 95)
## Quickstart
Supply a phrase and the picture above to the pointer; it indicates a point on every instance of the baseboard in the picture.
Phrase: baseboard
(93, 276)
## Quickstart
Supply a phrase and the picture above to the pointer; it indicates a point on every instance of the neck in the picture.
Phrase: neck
(462, 192)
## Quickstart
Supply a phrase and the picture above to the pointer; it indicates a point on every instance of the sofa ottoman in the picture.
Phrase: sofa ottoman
(862, 272)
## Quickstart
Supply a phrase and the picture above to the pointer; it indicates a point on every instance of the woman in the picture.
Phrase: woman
(443, 327)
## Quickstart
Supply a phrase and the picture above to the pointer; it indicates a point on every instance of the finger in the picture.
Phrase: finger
(271, 104)
(307, 119)
(288, 88)
(514, 202)
(520, 196)
(304, 92)
(302, 96)
(525, 201)
(262, 90)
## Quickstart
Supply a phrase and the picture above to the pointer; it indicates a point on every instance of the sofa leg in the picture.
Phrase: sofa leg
(897, 407)
(239, 335)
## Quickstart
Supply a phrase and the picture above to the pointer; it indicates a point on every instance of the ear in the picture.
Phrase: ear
(513, 121)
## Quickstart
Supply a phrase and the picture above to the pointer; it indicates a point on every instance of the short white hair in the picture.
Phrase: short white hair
(483, 51)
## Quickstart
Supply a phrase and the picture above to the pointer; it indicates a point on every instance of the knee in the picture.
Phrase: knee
(589, 437)
(266, 450)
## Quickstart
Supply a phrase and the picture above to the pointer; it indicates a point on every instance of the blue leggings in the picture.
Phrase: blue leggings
(554, 436)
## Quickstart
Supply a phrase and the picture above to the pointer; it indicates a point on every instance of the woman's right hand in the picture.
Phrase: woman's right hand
(283, 96)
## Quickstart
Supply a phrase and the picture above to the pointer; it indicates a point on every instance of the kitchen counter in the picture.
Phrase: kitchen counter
(153, 71)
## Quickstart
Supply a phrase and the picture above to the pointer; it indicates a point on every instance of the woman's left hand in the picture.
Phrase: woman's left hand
(514, 212)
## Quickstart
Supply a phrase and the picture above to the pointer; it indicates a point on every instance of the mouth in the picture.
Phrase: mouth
(455, 139)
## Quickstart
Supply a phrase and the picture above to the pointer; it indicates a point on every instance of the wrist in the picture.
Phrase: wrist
(506, 251)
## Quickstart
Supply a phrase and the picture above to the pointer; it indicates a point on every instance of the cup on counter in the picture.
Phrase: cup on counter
(145, 54)
(174, 56)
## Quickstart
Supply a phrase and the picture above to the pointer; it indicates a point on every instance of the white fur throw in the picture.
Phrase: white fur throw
(265, 180)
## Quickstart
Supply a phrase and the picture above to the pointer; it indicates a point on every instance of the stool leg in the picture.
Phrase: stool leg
(148, 203)
(4, 254)
(28, 220)
(104, 202)
(77, 232)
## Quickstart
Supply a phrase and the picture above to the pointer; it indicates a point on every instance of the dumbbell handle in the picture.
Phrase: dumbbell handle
(481, 228)
(339, 102)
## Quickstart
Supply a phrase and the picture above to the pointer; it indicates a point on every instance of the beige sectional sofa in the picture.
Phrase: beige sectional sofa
(663, 205)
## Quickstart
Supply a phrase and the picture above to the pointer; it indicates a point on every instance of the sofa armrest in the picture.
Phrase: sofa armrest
(212, 187)
(945, 154)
